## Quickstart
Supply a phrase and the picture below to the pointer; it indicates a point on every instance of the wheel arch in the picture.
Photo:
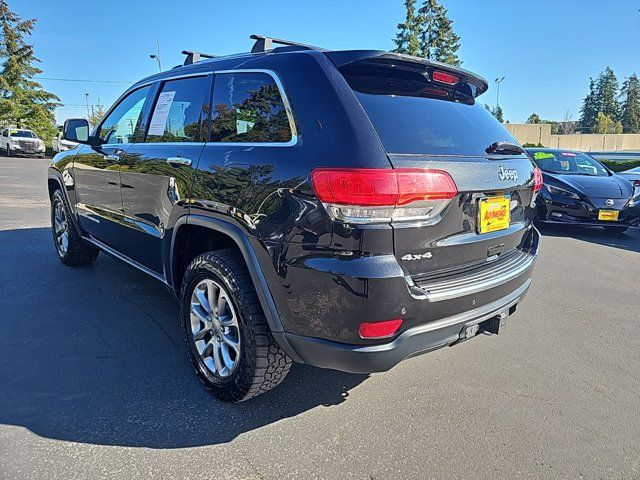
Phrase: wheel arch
(240, 241)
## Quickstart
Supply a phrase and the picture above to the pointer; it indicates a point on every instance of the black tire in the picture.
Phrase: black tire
(617, 230)
(262, 364)
(77, 251)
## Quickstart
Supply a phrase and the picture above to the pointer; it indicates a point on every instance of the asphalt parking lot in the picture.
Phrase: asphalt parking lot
(95, 380)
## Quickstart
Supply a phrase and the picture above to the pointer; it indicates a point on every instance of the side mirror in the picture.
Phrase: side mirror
(76, 130)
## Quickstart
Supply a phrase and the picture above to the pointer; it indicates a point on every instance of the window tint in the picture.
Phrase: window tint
(248, 107)
(432, 126)
(120, 125)
(179, 108)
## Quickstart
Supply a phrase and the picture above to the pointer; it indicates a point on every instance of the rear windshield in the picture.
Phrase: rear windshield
(432, 126)
(413, 115)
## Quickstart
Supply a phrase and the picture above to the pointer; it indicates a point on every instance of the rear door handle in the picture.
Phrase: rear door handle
(179, 161)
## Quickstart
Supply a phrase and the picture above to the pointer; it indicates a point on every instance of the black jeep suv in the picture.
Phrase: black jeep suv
(345, 209)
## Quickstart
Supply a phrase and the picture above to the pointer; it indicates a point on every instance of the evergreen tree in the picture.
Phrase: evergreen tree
(607, 94)
(428, 33)
(534, 118)
(630, 117)
(590, 108)
(438, 41)
(23, 101)
(96, 114)
(408, 37)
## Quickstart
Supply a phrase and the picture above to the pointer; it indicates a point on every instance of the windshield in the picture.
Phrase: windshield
(23, 134)
(568, 163)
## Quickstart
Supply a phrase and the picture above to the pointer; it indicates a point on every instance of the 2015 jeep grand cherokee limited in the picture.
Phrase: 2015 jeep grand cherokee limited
(344, 209)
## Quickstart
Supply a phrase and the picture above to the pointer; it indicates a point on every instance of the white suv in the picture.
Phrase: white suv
(19, 141)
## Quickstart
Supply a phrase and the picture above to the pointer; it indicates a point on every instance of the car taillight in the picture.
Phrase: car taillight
(636, 183)
(365, 195)
(384, 329)
(537, 180)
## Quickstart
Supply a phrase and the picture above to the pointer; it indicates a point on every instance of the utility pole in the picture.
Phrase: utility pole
(157, 54)
(498, 82)
(86, 99)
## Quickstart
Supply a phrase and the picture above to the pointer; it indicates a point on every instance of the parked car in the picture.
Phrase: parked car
(344, 209)
(20, 141)
(579, 190)
(632, 175)
(59, 144)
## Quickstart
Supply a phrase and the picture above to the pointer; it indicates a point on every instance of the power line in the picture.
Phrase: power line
(82, 80)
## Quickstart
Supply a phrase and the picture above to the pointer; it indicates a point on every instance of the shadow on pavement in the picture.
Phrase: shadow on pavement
(629, 240)
(95, 355)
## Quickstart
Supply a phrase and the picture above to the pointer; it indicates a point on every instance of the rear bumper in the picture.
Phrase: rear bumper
(415, 341)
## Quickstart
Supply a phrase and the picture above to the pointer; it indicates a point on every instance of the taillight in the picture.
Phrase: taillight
(444, 77)
(384, 329)
(636, 183)
(537, 180)
(363, 195)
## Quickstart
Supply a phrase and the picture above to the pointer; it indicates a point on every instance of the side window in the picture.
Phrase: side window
(179, 109)
(4, 132)
(120, 125)
(248, 107)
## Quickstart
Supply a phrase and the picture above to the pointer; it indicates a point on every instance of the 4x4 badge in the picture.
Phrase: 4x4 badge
(420, 256)
(507, 174)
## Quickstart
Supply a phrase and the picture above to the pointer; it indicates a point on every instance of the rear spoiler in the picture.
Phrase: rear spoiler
(395, 60)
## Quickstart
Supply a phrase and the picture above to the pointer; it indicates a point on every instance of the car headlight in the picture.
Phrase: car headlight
(562, 192)
(14, 142)
(635, 199)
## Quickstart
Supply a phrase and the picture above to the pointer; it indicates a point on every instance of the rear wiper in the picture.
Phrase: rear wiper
(504, 148)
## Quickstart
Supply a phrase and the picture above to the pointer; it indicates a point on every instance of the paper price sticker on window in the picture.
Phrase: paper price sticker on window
(161, 113)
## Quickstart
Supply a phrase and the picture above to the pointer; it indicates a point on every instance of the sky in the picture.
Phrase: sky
(545, 49)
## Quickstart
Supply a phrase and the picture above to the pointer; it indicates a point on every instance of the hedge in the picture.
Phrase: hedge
(621, 166)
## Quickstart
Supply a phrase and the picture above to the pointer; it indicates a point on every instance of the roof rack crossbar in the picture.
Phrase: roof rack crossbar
(193, 57)
(266, 43)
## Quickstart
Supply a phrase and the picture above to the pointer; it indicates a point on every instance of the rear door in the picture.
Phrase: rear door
(157, 172)
(428, 124)
(96, 170)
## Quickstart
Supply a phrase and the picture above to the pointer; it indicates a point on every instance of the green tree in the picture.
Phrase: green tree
(590, 108)
(96, 113)
(534, 118)
(496, 112)
(428, 33)
(630, 117)
(438, 41)
(23, 101)
(408, 37)
(607, 94)
(606, 124)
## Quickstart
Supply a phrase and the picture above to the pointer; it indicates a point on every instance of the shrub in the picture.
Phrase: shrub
(621, 166)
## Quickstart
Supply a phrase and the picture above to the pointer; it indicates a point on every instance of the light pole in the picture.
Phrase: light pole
(498, 82)
(157, 54)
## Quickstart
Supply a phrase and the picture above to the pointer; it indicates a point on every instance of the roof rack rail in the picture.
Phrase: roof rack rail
(264, 44)
(193, 57)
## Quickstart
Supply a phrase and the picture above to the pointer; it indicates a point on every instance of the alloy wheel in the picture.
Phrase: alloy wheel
(214, 327)
(60, 228)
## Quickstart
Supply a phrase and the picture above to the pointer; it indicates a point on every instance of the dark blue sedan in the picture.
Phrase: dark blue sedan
(579, 190)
